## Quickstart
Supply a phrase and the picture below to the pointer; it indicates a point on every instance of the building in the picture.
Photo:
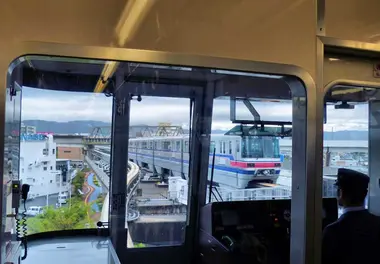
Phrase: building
(68, 168)
(38, 165)
(71, 153)
(28, 130)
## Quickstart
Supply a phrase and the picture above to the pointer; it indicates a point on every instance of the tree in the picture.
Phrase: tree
(96, 182)
(75, 216)
(100, 201)
(78, 182)
(86, 170)
(139, 245)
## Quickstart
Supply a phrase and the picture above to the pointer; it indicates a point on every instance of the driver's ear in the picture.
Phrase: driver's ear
(339, 193)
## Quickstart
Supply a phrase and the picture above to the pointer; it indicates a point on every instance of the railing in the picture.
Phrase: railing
(96, 141)
(101, 175)
(104, 156)
(266, 193)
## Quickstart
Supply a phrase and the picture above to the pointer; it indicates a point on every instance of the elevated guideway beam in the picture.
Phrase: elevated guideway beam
(133, 179)
(105, 157)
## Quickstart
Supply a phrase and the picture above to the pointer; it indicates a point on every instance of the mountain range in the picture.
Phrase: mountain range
(86, 127)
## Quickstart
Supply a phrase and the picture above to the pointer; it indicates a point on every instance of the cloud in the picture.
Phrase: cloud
(70, 106)
(64, 106)
(347, 119)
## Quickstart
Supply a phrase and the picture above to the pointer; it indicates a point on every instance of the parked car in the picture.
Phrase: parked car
(34, 211)
(62, 198)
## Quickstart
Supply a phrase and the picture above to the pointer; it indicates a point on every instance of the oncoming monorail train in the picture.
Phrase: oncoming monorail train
(240, 161)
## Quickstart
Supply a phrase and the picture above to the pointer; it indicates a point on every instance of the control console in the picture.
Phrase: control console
(251, 231)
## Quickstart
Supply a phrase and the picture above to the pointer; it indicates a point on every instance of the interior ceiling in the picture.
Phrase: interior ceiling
(354, 19)
(180, 18)
(80, 76)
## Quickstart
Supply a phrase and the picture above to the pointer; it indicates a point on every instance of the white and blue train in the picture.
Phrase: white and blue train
(240, 161)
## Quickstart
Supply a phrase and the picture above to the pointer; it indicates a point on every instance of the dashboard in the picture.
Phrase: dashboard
(256, 231)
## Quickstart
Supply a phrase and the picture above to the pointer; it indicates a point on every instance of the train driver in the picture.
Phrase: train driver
(355, 236)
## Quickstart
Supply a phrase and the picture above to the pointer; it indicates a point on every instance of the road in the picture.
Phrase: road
(96, 191)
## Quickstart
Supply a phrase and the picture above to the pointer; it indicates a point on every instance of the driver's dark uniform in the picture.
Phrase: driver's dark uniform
(355, 236)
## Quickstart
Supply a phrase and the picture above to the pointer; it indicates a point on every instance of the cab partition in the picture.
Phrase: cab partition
(251, 231)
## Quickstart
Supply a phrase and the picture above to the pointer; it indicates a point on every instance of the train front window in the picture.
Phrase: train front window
(247, 164)
(260, 147)
(67, 189)
(166, 145)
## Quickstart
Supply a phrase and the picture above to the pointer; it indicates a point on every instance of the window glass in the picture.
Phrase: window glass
(161, 202)
(157, 179)
(346, 138)
(62, 195)
(260, 147)
(166, 145)
(212, 146)
(259, 167)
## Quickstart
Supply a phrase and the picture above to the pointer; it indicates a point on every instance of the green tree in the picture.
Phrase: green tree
(78, 182)
(100, 201)
(76, 215)
(96, 182)
(139, 245)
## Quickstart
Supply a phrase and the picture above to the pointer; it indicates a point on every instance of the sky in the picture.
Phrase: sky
(71, 106)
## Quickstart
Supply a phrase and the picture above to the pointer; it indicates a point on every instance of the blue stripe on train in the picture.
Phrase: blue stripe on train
(217, 167)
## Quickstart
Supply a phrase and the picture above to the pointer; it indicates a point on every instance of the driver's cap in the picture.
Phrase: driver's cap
(350, 179)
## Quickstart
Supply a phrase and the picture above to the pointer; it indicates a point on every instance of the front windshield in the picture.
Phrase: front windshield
(260, 147)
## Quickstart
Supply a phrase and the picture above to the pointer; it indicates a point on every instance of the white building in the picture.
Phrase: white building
(38, 165)
(30, 130)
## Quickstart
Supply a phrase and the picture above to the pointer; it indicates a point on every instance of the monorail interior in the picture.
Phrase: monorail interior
(303, 74)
